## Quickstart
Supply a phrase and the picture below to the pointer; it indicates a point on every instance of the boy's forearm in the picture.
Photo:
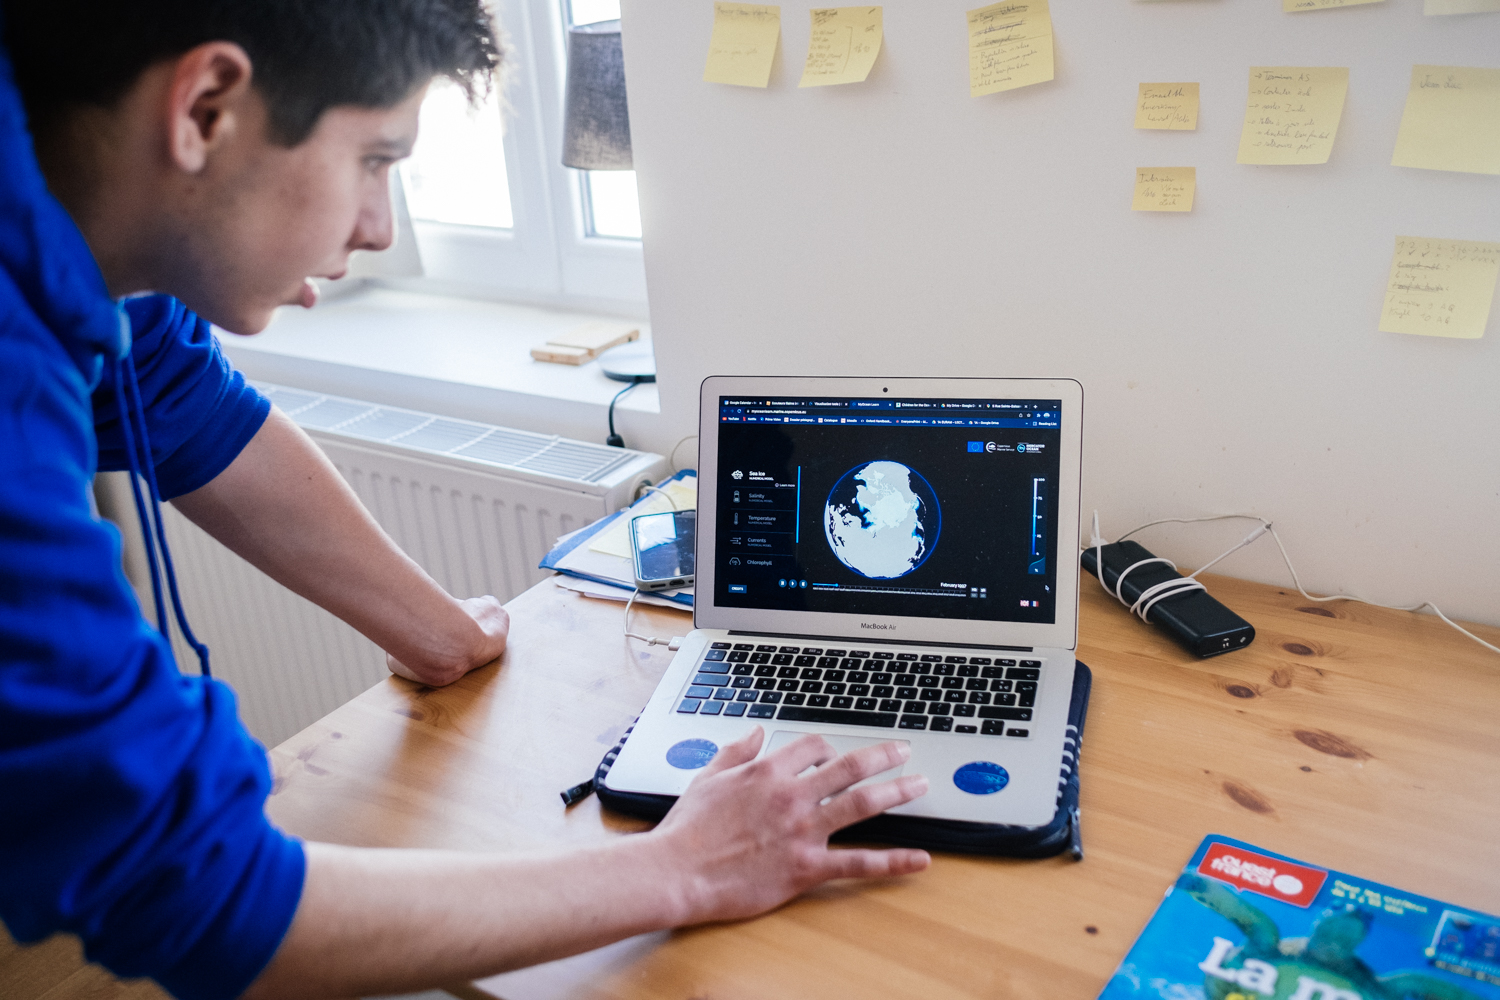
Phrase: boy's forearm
(283, 507)
(382, 921)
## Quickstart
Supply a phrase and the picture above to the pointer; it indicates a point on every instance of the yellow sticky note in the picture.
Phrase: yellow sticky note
(743, 45)
(843, 47)
(1164, 189)
(1451, 121)
(1431, 7)
(1290, 6)
(1167, 105)
(1010, 46)
(1292, 113)
(1441, 288)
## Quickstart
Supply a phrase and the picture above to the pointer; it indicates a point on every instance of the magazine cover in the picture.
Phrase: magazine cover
(1245, 924)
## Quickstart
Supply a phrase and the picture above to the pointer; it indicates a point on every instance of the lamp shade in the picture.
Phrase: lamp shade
(596, 123)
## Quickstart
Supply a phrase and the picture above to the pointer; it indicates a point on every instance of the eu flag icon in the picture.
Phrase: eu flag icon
(976, 446)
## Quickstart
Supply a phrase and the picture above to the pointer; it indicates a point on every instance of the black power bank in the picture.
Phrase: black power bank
(1194, 618)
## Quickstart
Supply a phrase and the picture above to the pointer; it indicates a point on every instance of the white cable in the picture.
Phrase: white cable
(650, 640)
(648, 488)
(672, 455)
(1096, 542)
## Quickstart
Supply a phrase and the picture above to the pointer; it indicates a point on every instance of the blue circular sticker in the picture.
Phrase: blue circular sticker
(979, 778)
(689, 755)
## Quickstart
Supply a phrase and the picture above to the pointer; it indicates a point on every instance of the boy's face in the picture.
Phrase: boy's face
(260, 219)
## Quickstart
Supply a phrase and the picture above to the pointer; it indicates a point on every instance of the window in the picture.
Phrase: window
(494, 210)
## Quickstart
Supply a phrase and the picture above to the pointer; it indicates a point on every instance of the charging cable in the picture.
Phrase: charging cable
(614, 440)
(1183, 585)
(650, 640)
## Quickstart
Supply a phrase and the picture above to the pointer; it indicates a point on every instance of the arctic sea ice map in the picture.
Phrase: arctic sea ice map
(882, 520)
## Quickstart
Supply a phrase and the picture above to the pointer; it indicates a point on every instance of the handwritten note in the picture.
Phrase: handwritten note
(1291, 6)
(1164, 189)
(843, 47)
(1431, 7)
(1451, 121)
(1441, 288)
(1010, 46)
(1292, 113)
(1167, 105)
(743, 45)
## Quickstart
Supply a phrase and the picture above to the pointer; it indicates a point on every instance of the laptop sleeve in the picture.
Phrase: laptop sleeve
(960, 836)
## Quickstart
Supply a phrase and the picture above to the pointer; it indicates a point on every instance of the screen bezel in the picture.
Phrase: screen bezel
(1060, 634)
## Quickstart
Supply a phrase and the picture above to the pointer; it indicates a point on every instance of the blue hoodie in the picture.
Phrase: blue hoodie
(131, 799)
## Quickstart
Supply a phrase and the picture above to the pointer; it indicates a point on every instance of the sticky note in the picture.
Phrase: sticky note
(1010, 46)
(1431, 7)
(843, 46)
(1164, 189)
(1451, 121)
(1441, 288)
(743, 45)
(1167, 105)
(1292, 113)
(1291, 6)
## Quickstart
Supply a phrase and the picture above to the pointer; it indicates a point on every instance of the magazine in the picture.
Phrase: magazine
(1242, 923)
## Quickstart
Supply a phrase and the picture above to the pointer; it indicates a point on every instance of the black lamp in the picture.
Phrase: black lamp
(596, 122)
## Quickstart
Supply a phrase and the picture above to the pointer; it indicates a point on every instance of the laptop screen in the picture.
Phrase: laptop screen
(934, 508)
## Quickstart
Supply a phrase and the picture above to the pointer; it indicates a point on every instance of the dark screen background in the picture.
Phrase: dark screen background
(985, 499)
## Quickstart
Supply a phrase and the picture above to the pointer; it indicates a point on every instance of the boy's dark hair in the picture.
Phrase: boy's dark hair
(308, 55)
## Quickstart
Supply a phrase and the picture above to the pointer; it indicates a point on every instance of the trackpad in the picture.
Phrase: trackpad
(843, 744)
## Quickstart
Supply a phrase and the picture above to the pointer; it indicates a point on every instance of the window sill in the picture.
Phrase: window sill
(457, 357)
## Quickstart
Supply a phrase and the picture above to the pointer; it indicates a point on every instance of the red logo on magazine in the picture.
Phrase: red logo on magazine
(1283, 880)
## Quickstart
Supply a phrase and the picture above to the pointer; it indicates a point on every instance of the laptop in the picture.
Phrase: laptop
(882, 559)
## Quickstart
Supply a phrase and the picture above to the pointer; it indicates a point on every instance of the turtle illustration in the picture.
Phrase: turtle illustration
(1321, 966)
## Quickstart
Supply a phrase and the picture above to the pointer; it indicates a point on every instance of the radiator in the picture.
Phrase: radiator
(477, 506)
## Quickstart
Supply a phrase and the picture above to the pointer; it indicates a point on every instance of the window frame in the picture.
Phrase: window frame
(548, 256)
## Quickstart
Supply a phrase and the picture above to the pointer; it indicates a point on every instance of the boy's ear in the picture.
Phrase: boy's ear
(206, 101)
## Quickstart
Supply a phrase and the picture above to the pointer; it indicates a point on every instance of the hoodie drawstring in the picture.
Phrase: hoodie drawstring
(133, 431)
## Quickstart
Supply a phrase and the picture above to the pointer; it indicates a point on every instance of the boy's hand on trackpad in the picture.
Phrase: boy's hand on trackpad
(750, 834)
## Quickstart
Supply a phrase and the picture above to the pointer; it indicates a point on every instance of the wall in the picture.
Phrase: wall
(1230, 356)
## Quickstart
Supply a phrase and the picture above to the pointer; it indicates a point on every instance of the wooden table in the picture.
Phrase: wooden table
(1347, 736)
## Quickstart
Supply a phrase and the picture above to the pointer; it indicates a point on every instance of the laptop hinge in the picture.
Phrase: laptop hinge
(881, 642)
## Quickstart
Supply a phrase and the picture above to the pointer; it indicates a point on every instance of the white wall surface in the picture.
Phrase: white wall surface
(1230, 357)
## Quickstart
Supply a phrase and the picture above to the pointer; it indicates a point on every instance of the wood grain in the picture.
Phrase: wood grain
(1348, 736)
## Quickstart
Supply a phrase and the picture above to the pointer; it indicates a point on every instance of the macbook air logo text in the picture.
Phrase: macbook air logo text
(876, 625)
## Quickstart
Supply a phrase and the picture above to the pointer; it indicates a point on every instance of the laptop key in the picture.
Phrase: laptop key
(966, 729)
(852, 663)
(952, 696)
(882, 656)
(882, 691)
(859, 690)
(955, 659)
(782, 659)
(1018, 732)
(735, 708)
(938, 708)
(929, 658)
(805, 661)
(716, 653)
(968, 670)
(890, 705)
(859, 653)
(906, 656)
(711, 708)
(979, 697)
(762, 711)
(1005, 699)
(766, 684)
(1005, 663)
(1014, 714)
(1026, 686)
(744, 682)
(714, 668)
(964, 710)
(760, 657)
(865, 704)
(828, 662)
(794, 699)
(688, 706)
(812, 674)
(787, 672)
(828, 716)
(1002, 685)
(906, 692)
(952, 683)
(992, 672)
(786, 686)
(977, 684)
(742, 670)
(817, 701)
(791, 649)
(992, 727)
(1023, 673)
(1031, 663)
(843, 701)
(833, 675)
(738, 656)
(943, 669)
(710, 679)
(915, 707)
(836, 652)
(941, 724)
(812, 651)
(770, 697)
(930, 694)
(812, 687)
(749, 695)
(913, 722)
(724, 694)
(745, 646)
(700, 692)
(765, 649)
(720, 645)
(1027, 699)
(834, 688)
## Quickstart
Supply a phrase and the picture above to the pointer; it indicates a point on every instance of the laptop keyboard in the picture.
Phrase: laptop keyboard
(939, 692)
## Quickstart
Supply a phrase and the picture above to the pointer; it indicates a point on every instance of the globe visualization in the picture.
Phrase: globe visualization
(882, 520)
